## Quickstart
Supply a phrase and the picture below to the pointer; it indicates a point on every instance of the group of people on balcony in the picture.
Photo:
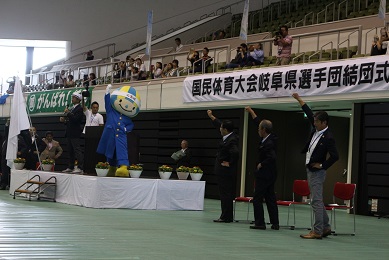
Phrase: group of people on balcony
(199, 64)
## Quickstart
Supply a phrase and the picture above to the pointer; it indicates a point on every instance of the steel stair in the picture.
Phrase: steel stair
(34, 187)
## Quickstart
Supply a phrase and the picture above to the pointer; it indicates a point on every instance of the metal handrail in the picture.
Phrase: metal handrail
(345, 1)
(301, 54)
(332, 46)
(313, 54)
(376, 31)
(305, 17)
(348, 43)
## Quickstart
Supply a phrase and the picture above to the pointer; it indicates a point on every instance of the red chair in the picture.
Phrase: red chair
(300, 188)
(345, 192)
(247, 200)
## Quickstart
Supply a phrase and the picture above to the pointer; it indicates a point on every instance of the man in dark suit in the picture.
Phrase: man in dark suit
(74, 119)
(34, 146)
(185, 155)
(265, 174)
(320, 143)
(226, 166)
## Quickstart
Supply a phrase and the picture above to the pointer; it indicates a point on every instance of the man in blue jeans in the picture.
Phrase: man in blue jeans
(320, 143)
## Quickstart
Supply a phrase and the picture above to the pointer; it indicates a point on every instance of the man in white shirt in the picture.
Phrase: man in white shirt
(179, 44)
(93, 118)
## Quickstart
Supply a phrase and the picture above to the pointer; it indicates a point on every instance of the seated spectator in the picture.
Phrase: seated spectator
(89, 55)
(53, 149)
(256, 55)
(241, 57)
(384, 39)
(375, 46)
(218, 35)
(166, 70)
(141, 68)
(29, 148)
(158, 70)
(69, 83)
(195, 61)
(134, 74)
(207, 60)
(174, 72)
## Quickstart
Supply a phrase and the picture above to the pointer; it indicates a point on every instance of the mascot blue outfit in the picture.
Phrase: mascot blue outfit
(123, 103)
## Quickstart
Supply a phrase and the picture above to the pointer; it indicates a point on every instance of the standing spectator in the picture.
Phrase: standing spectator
(89, 55)
(265, 174)
(241, 57)
(179, 45)
(320, 144)
(141, 69)
(284, 42)
(256, 55)
(75, 120)
(226, 166)
(53, 149)
(62, 79)
(92, 117)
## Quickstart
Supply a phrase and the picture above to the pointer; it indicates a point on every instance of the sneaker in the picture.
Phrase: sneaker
(67, 170)
(311, 235)
(327, 232)
(77, 171)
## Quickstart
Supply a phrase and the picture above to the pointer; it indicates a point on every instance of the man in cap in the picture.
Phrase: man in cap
(74, 120)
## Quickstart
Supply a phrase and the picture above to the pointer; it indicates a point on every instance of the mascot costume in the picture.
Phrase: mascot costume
(120, 106)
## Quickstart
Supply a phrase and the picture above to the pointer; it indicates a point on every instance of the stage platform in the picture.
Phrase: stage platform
(109, 192)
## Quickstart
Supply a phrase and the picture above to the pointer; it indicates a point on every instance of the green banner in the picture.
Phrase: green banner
(52, 101)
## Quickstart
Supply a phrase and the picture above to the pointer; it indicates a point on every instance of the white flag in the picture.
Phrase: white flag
(18, 122)
(382, 9)
(245, 21)
(149, 32)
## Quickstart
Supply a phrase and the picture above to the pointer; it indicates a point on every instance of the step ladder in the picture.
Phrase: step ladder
(34, 187)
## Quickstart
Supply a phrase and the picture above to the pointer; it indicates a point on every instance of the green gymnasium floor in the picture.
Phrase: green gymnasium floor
(47, 230)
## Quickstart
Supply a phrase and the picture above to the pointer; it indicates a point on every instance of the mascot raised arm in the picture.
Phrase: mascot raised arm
(120, 106)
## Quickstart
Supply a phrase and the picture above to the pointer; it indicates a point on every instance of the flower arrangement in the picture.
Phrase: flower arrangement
(182, 169)
(102, 165)
(48, 161)
(19, 160)
(135, 167)
(165, 168)
(195, 169)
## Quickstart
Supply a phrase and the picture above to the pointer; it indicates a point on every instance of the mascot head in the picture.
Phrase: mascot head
(126, 100)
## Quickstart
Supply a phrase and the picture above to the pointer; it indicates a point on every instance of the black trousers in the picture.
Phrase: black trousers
(75, 152)
(227, 195)
(264, 189)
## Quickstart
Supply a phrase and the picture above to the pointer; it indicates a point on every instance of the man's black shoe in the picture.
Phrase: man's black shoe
(275, 227)
(221, 221)
(258, 227)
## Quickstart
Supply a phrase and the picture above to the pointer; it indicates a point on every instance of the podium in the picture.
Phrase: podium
(92, 139)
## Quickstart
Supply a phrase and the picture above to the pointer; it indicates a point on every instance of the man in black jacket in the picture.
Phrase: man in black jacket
(321, 143)
(74, 119)
(265, 174)
(226, 166)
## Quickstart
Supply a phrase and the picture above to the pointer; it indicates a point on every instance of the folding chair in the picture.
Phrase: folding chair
(345, 192)
(247, 200)
(300, 188)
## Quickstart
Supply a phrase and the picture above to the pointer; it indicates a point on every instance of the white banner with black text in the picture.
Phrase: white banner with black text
(325, 78)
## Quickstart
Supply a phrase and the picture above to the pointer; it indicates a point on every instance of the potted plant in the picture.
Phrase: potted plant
(165, 171)
(19, 163)
(102, 169)
(196, 173)
(135, 170)
(182, 172)
(47, 164)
